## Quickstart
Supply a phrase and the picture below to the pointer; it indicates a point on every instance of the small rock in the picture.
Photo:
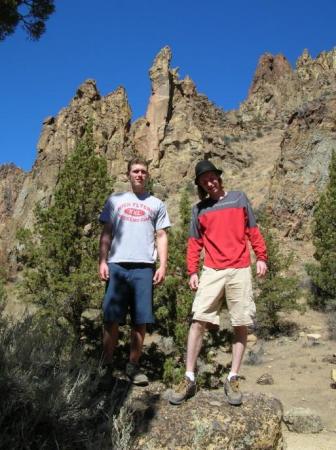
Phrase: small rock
(167, 394)
(167, 345)
(302, 420)
(333, 379)
(314, 338)
(265, 378)
(252, 339)
(333, 375)
(329, 359)
(302, 334)
(215, 403)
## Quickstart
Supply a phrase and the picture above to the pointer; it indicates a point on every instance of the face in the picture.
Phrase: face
(211, 183)
(138, 176)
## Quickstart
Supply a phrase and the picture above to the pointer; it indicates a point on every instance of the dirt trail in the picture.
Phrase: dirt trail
(301, 376)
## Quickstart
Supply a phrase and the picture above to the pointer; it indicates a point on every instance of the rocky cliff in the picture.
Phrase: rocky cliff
(276, 146)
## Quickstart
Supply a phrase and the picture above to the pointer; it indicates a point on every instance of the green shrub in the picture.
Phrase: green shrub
(324, 231)
(277, 291)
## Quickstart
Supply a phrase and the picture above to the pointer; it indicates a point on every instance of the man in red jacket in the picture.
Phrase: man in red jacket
(222, 224)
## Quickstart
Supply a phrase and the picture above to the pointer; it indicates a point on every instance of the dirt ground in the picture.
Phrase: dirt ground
(302, 377)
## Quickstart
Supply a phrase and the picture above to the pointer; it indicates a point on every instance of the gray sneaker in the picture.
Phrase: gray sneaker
(184, 390)
(231, 389)
(135, 375)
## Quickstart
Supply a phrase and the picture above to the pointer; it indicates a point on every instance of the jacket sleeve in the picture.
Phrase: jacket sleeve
(195, 243)
(254, 235)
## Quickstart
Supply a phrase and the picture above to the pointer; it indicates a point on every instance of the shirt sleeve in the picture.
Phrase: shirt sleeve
(162, 218)
(253, 233)
(107, 212)
(195, 243)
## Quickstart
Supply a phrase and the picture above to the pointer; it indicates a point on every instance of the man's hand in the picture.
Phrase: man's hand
(261, 268)
(159, 275)
(103, 271)
(104, 247)
(193, 281)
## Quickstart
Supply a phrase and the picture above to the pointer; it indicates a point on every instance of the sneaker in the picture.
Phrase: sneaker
(185, 390)
(231, 389)
(135, 375)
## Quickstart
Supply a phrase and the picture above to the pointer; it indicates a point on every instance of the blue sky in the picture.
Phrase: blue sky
(217, 42)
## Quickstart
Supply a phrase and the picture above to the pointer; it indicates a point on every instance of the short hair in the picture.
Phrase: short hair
(202, 194)
(136, 160)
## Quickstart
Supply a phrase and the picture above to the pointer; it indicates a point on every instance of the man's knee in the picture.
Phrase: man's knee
(139, 328)
(111, 327)
(199, 327)
(240, 329)
(240, 332)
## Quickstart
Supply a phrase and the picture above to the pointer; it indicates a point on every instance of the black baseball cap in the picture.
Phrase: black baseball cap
(205, 166)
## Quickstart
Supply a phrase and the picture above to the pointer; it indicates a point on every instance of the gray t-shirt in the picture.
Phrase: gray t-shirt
(134, 221)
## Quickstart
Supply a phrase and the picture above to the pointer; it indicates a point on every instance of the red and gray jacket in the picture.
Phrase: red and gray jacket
(224, 228)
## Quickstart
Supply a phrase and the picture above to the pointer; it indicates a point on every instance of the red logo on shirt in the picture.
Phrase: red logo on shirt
(134, 212)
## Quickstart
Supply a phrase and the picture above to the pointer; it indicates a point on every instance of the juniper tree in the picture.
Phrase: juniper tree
(61, 254)
(323, 274)
(31, 14)
(278, 291)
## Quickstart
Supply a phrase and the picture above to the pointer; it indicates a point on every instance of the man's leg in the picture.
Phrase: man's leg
(137, 339)
(242, 311)
(110, 340)
(141, 313)
(187, 389)
(133, 371)
(238, 348)
(195, 339)
(231, 386)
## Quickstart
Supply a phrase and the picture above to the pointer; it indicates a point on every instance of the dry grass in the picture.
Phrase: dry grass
(52, 397)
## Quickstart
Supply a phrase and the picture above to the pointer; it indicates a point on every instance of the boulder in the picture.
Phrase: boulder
(303, 420)
(208, 421)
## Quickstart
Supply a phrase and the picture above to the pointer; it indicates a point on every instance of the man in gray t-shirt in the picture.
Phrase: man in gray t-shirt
(132, 222)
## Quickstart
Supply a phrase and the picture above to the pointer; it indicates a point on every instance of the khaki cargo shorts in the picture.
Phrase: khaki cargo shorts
(235, 285)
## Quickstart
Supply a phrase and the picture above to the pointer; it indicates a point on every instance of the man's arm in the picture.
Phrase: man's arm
(194, 249)
(162, 248)
(104, 247)
(257, 241)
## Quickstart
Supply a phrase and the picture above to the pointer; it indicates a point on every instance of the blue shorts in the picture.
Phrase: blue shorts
(129, 289)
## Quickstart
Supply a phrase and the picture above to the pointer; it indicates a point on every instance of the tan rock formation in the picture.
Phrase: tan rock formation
(301, 172)
(11, 181)
(149, 131)
(270, 69)
(309, 69)
(277, 90)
